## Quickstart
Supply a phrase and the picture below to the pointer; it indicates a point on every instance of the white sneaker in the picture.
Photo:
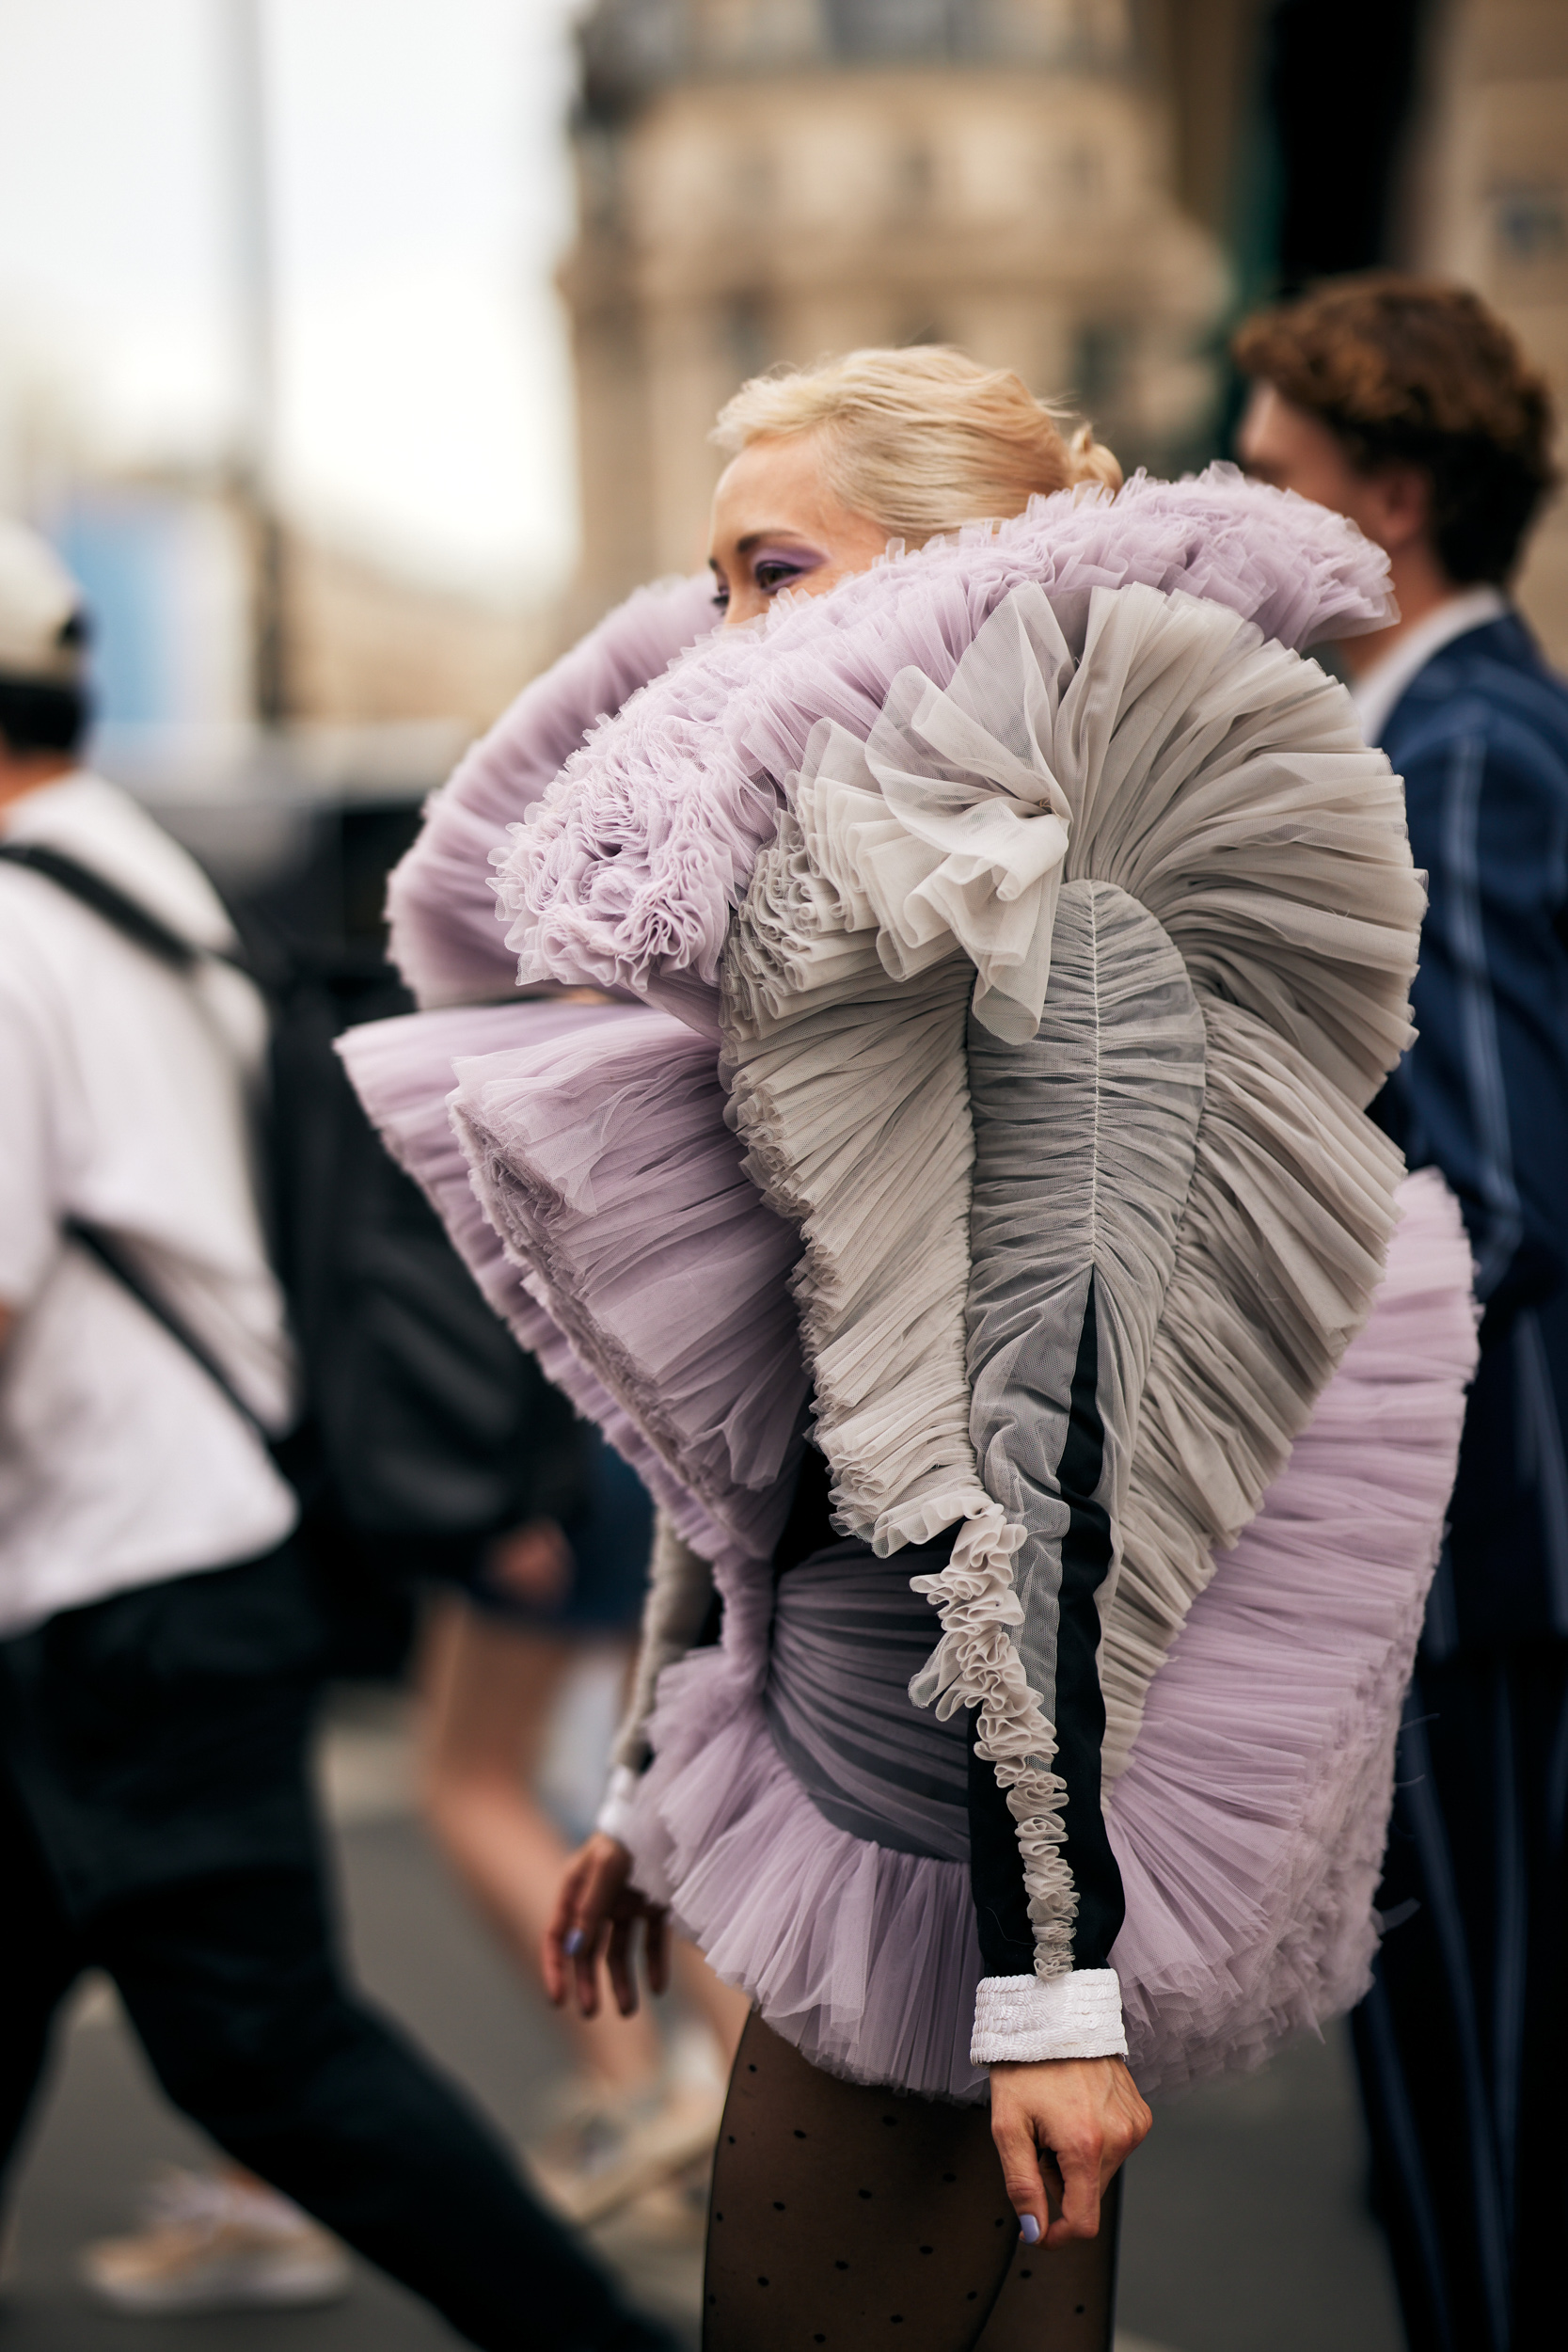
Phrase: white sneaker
(614, 2150)
(213, 2243)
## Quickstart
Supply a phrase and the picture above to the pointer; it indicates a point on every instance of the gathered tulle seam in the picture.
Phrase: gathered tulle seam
(977, 1663)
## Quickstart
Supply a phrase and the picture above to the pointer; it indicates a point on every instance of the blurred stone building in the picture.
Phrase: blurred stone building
(1321, 136)
(1086, 190)
(1487, 202)
(766, 180)
(369, 646)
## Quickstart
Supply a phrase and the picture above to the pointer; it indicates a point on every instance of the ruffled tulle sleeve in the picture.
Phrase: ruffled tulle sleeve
(1052, 927)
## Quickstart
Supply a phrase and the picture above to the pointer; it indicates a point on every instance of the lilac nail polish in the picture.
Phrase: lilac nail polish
(573, 1942)
(1029, 2229)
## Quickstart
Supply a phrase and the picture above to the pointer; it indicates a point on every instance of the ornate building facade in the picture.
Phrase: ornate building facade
(1488, 204)
(769, 180)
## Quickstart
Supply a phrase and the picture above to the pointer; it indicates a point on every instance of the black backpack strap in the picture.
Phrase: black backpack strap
(146, 930)
(111, 1255)
(126, 914)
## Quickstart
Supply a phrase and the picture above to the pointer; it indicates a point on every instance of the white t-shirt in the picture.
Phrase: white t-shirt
(124, 1100)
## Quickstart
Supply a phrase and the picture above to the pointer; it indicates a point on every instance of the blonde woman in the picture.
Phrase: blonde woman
(978, 1219)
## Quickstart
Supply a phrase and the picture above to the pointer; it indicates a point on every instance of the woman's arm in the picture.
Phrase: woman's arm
(597, 1918)
(598, 1911)
(680, 1600)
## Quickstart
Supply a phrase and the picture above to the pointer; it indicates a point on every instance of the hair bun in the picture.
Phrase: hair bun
(1092, 461)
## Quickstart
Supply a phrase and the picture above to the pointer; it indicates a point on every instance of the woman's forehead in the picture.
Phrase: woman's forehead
(773, 483)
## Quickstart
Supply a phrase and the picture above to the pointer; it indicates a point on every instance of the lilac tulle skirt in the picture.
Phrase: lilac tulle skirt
(802, 1818)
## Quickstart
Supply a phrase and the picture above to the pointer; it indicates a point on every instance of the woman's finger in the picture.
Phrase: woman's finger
(1080, 2165)
(1021, 2173)
(561, 1937)
(623, 1974)
(657, 1928)
(585, 1968)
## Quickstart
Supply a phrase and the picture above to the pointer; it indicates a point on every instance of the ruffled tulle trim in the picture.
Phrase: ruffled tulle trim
(842, 1088)
(1168, 760)
(403, 1073)
(1248, 1827)
(865, 1959)
(626, 872)
(603, 1161)
(448, 936)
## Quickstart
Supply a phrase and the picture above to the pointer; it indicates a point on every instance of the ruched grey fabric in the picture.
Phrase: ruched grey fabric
(1084, 1146)
(848, 1635)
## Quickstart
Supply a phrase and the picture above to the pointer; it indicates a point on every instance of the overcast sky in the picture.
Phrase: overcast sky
(420, 201)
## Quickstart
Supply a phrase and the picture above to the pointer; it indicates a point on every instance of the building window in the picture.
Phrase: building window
(747, 339)
(1531, 222)
(1100, 356)
(897, 28)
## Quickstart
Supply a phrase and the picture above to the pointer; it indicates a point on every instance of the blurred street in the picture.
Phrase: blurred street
(1245, 2227)
(355, 361)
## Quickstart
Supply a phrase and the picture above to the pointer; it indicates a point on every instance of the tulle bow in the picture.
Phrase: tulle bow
(940, 831)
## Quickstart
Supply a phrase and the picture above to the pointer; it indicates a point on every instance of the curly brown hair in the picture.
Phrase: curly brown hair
(1409, 370)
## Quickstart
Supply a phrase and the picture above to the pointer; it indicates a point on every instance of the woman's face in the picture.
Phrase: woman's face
(775, 525)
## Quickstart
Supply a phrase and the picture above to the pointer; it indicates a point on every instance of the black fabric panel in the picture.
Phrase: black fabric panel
(810, 1525)
(1080, 1708)
(996, 1866)
(996, 1872)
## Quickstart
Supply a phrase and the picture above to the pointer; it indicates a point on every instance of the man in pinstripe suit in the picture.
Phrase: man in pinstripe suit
(1409, 407)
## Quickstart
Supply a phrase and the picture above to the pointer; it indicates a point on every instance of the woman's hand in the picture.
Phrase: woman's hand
(1086, 2113)
(596, 1915)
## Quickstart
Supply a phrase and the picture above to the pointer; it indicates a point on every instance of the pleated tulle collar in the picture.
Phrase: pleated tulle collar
(626, 872)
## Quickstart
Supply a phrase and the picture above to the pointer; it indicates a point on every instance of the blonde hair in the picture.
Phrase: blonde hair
(920, 440)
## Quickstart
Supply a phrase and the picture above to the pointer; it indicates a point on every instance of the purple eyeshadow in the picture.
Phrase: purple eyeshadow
(791, 559)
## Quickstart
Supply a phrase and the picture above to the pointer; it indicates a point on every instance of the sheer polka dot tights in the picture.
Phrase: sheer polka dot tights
(854, 2218)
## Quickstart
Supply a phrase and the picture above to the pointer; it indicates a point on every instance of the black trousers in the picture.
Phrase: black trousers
(1462, 2045)
(219, 1940)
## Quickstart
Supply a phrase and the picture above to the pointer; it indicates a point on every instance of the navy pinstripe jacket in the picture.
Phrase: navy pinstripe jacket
(1481, 737)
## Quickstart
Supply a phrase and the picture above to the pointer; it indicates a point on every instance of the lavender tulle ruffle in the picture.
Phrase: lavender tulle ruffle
(1248, 1825)
(638, 1262)
(402, 1071)
(604, 1162)
(625, 873)
(447, 934)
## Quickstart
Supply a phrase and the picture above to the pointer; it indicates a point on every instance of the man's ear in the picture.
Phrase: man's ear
(1399, 505)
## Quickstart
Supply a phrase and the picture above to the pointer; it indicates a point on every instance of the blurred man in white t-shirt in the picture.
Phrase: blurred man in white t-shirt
(159, 1640)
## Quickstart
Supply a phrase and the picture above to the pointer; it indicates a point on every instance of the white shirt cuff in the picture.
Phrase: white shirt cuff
(1020, 2019)
(614, 1816)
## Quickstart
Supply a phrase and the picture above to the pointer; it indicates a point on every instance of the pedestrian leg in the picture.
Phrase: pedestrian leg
(231, 1985)
(40, 1959)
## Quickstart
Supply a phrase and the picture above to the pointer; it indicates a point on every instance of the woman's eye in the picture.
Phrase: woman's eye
(770, 576)
(722, 597)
